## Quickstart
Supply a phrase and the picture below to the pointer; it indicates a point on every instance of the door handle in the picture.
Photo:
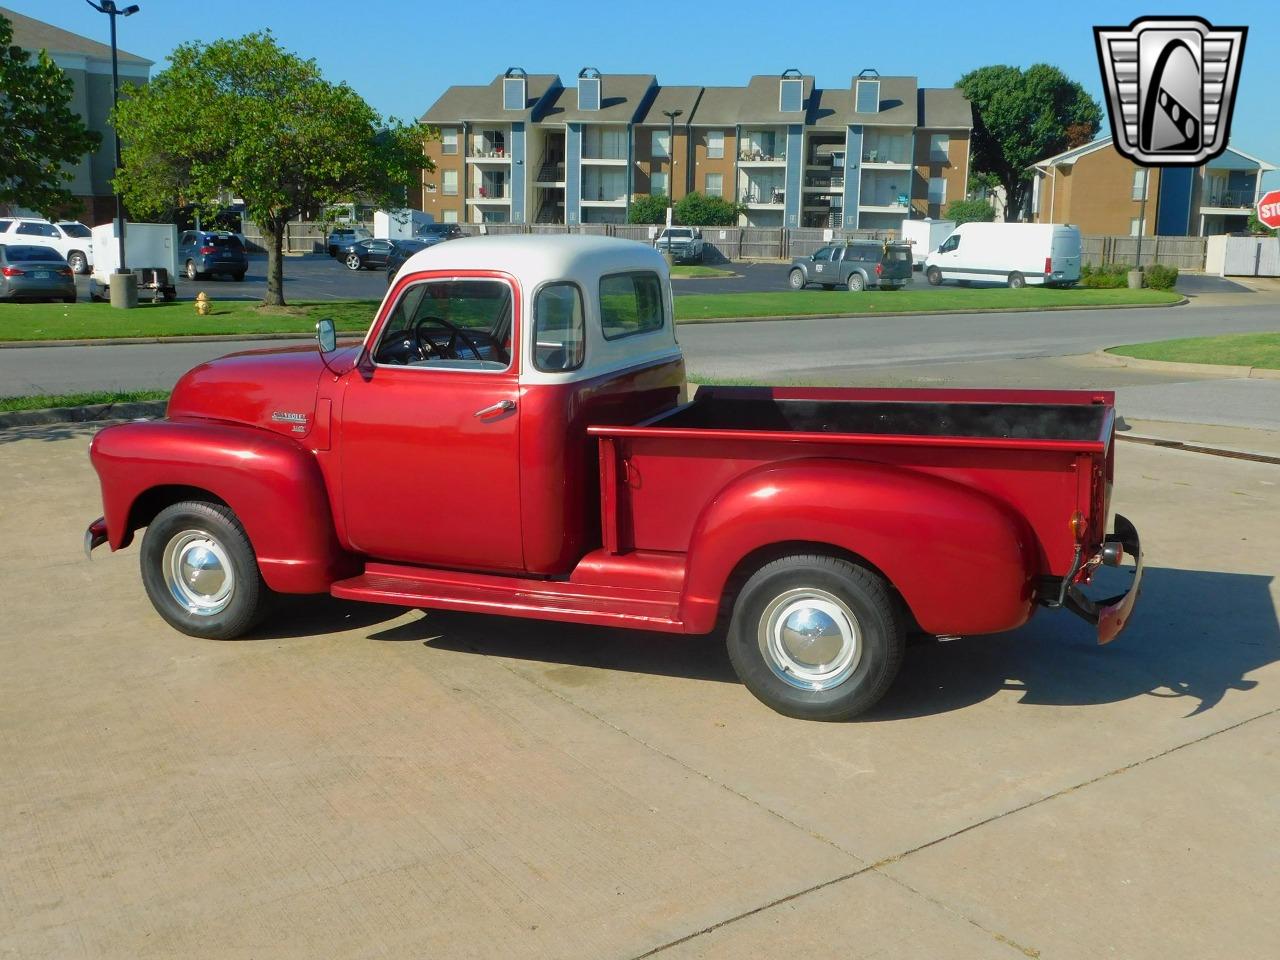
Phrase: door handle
(502, 406)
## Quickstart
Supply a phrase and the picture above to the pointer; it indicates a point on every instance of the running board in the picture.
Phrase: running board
(610, 606)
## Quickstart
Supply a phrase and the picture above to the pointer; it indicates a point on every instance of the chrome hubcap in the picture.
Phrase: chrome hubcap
(810, 639)
(198, 573)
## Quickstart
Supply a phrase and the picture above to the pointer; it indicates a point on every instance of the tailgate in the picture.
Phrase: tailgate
(896, 263)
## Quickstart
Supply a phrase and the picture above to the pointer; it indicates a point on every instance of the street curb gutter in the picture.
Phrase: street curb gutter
(865, 314)
(1171, 366)
(97, 411)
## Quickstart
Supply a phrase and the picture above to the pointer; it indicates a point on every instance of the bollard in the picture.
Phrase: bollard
(124, 290)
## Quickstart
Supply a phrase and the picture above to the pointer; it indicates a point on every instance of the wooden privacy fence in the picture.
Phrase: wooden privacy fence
(772, 243)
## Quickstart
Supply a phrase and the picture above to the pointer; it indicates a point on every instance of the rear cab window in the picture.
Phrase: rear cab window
(630, 304)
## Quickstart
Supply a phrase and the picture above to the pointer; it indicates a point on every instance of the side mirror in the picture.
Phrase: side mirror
(326, 335)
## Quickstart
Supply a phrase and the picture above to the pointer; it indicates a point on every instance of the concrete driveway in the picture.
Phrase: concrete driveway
(357, 781)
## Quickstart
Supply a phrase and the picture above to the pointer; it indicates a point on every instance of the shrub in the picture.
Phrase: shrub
(970, 211)
(696, 210)
(647, 209)
(1108, 276)
(1161, 277)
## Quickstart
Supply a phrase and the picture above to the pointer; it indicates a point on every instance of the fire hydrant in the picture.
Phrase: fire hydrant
(203, 304)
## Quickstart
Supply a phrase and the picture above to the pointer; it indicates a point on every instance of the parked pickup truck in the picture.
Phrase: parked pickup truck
(685, 244)
(856, 265)
(513, 436)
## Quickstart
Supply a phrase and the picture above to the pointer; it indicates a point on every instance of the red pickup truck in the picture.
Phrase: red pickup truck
(513, 436)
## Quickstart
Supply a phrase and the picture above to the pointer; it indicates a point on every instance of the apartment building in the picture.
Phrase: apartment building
(1102, 192)
(864, 156)
(87, 64)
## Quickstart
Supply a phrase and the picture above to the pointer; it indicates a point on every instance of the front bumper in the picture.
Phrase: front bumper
(95, 536)
(1111, 615)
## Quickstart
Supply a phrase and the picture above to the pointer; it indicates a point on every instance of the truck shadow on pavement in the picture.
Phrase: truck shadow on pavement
(1196, 635)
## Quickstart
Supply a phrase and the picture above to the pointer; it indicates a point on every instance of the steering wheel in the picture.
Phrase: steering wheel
(426, 347)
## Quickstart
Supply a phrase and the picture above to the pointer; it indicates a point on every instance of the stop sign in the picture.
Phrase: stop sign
(1269, 209)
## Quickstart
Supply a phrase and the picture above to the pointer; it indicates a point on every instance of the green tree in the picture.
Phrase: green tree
(697, 210)
(970, 211)
(1256, 226)
(248, 119)
(647, 209)
(39, 133)
(1021, 116)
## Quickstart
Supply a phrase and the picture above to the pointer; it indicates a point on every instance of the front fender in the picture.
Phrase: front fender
(960, 559)
(274, 486)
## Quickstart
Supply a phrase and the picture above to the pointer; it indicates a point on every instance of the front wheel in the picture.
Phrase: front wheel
(816, 637)
(934, 276)
(78, 262)
(856, 283)
(200, 571)
(795, 280)
(353, 261)
(1017, 281)
(192, 272)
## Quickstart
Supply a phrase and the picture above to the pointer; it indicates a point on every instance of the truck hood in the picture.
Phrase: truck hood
(274, 389)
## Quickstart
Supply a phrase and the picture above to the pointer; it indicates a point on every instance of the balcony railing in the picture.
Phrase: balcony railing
(832, 182)
(758, 156)
(771, 196)
(1236, 199)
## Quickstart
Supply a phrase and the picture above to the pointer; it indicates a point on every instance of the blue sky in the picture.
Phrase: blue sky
(400, 54)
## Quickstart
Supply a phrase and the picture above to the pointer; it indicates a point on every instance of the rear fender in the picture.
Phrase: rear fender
(273, 485)
(960, 560)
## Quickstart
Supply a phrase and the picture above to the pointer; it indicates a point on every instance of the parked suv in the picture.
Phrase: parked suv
(683, 243)
(70, 238)
(434, 233)
(205, 252)
(342, 239)
(855, 264)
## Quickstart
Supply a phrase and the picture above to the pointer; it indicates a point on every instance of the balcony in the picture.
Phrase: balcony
(760, 159)
(831, 183)
(1227, 199)
(498, 156)
(764, 197)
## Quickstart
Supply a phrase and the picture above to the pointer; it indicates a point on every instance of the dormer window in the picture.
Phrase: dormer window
(514, 89)
(867, 92)
(589, 89)
(791, 91)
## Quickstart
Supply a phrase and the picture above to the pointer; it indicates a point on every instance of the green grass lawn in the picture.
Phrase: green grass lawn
(79, 399)
(697, 270)
(1236, 349)
(76, 321)
(717, 306)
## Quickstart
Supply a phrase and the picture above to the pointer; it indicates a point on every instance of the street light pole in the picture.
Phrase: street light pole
(109, 8)
(671, 159)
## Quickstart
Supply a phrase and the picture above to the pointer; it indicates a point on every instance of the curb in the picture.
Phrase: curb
(932, 313)
(97, 411)
(1174, 366)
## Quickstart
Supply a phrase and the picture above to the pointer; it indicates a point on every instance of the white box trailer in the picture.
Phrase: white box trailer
(1013, 254)
(925, 236)
(399, 224)
(150, 251)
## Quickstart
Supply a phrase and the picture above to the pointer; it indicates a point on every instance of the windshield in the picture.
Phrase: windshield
(75, 230)
(450, 323)
(679, 234)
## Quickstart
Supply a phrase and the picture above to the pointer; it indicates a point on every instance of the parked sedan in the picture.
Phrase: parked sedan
(404, 249)
(368, 254)
(29, 272)
(205, 252)
(342, 239)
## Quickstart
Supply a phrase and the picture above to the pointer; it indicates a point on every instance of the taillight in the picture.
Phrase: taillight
(11, 272)
(879, 269)
(65, 271)
(1048, 264)
(205, 251)
(1079, 526)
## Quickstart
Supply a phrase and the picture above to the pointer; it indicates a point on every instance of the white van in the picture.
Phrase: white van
(1015, 254)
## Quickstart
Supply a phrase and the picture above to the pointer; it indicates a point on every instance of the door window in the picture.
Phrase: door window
(952, 242)
(449, 324)
(823, 255)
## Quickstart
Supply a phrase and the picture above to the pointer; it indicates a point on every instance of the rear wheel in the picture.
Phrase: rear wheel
(1017, 281)
(192, 272)
(856, 282)
(795, 279)
(353, 261)
(934, 276)
(200, 571)
(816, 637)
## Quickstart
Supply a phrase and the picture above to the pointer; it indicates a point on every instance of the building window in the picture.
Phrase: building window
(715, 144)
(448, 140)
(764, 145)
(660, 146)
(938, 190)
(448, 216)
(1136, 226)
(489, 143)
(513, 95)
(1141, 179)
(589, 90)
(449, 182)
(604, 143)
(658, 183)
(939, 148)
(604, 184)
(715, 185)
(867, 99)
(791, 95)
